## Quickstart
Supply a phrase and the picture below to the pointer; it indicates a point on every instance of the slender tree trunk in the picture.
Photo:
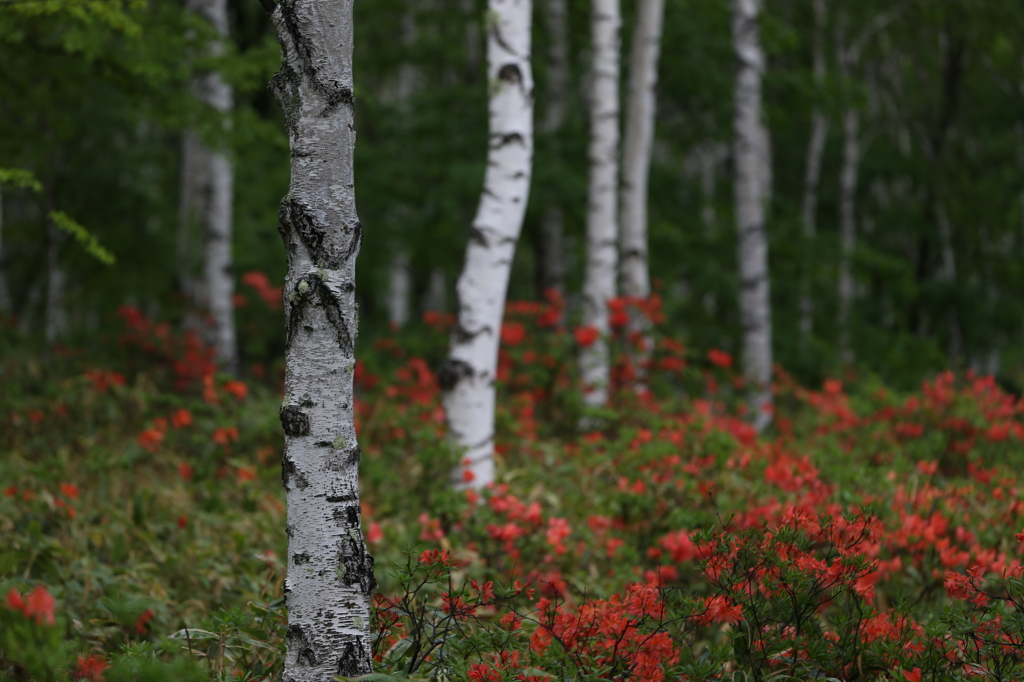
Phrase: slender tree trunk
(5, 294)
(634, 269)
(435, 299)
(469, 373)
(56, 319)
(602, 230)
(330, 573)
(812, 178)
(552, 228)
(188, 221)
(399, 290)
(948, 274)
(213, 194)
(752, 185)
(848, 226)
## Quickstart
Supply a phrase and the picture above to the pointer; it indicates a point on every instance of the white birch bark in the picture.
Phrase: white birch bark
(330, 573)
(213, 194)
(751, 187)
(634, 271)
(552, 226)
(399, 290)
(469, 373)
(812, 177)
(602, 214)
(848, 226)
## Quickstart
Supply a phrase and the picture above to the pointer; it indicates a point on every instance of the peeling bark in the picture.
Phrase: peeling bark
(752, 186)
(812, 178)
(602, 211)
(330, 573)
(634, 269)
(469, 373)
(209, 195)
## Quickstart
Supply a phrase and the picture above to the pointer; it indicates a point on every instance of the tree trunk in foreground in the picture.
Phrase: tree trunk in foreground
(752, 182)
(212, 194)
(556, 92)
(602, 212)
(330, 573)
(812, 179)
(634, 269)
(469, 373)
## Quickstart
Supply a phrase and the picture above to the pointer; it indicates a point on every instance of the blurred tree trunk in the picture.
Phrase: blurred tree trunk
(634, 269)
(753, 164)
(207, 196)
(435, 297)
(399, 289)
(5, 293)
(330, 573)
(55, 322)
(469, 373)
(812, 178)
(556, 90)
(602, 214)
(848, 226)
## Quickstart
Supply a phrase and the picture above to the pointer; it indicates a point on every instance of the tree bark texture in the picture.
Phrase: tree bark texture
(751, 187)
(602, 212)
(812, 178)
(469, 373)
(212, 192)
(552, 226)
(330, 573)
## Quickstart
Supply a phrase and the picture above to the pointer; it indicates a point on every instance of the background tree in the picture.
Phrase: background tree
(469, 374)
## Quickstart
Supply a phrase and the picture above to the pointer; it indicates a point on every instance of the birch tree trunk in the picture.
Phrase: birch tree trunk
(634, 271)
(330, 573)
(552, 227)
(752, 182)
(469, 373)
(812, 177)
(602, 214)
(399, 290)
(848, 226)
(214, 175)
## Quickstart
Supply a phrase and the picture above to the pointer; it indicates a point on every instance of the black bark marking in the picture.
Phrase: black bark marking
(353, 662)
(510, 73)
(339, 499)
(299, 643)
(290, 471)
(332, 307)
(300, 559)
(284, 85)
(333, 92)
(463, 335)
(354, 241)
(357, 561)
(294, 421)
(476, 235)
(451, 372)
(297, 220)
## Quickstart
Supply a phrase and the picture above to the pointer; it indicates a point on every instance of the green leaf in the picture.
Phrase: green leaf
(85, 238)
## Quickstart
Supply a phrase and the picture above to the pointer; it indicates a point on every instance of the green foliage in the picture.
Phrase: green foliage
(86, 239)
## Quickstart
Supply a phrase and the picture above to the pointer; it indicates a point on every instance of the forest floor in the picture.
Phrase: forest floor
(867, 535)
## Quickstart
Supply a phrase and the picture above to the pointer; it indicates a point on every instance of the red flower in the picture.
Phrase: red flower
(512, 334)
(246, 474)
(720, 358)
(185, 471)
(40, 604)
(140, 622)
(236, 388)
(182, 520)
(15, 600)
(375, 534)
(913, 675)
(586, 336)
(150, 439)
(181, 418)
(90, 668)
(69, 490)
(224, 436)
